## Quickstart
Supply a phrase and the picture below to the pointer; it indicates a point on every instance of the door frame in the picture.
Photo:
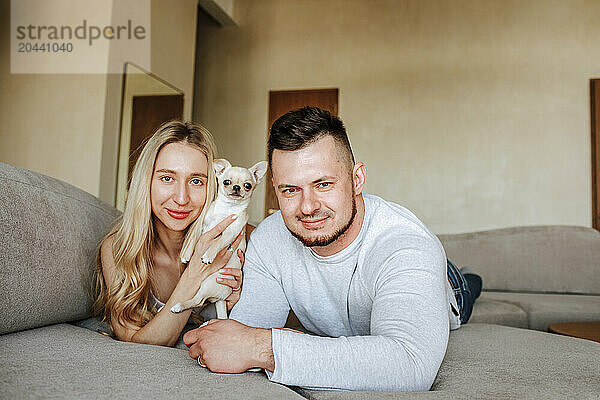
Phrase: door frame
(595, 131)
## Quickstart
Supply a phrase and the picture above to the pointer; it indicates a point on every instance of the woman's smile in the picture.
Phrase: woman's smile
(178, 214)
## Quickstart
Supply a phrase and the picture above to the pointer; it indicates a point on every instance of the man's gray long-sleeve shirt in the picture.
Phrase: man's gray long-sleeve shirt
(380, 309)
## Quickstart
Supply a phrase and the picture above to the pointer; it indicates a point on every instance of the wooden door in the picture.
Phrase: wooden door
(283, 101)
(595, 105)
(148, 113)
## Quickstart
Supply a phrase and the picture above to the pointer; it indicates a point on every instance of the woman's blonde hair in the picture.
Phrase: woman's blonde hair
(127, 299)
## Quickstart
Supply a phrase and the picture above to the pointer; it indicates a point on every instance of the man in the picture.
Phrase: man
(364, 275)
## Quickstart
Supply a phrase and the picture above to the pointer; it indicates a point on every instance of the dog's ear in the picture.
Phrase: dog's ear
(258, 171)
(220, 165)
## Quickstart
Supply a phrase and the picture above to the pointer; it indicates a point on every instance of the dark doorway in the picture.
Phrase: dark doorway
(148, 113)
(283, 101)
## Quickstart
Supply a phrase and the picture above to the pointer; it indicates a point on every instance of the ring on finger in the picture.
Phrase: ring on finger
(237, 288)
(200, 362)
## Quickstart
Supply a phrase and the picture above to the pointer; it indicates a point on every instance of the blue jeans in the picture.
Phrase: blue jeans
(463, 295)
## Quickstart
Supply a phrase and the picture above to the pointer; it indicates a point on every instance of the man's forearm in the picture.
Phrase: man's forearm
(368, 363)
(264, 349)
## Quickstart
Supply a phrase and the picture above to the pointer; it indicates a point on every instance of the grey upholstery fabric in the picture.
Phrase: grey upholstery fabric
(490, 311)
(482, 361)
(563, 259)
(67, 362)
(50, 232)
(545, 309)
(496, 362)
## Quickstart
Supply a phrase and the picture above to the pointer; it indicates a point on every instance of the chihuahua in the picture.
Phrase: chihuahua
(235, 188)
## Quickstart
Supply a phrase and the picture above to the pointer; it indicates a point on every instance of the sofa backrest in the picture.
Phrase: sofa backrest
(549, 259)
(49, 234)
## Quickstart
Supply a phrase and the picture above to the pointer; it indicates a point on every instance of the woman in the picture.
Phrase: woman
(139, 276)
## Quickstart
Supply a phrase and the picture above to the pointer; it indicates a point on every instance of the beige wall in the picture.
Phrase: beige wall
(50, 123)
(473, 114)
(66, 125)
(174, 45)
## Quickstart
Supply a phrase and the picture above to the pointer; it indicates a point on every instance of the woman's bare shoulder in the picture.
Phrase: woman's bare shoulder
(107, 259)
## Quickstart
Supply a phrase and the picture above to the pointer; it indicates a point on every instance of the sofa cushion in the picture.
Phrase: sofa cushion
(498, 362)
(50, 232)
(545, 309)
(490, 311)
(67, 362)
(559, 259)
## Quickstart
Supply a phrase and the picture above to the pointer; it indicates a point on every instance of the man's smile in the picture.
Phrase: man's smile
(313, 223)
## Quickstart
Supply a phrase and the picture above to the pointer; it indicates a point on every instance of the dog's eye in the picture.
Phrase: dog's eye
(247, 186)
(226, 182)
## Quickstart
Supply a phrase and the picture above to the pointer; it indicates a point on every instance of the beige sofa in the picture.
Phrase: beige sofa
(49, 232)
(532, 276)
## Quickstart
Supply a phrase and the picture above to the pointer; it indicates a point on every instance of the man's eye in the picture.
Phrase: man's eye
(324, 184)
(289, 190)
(226, 182)
(247, 186)
(197, 182)
(166, 179)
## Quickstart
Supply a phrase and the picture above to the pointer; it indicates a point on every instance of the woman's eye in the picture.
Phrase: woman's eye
(247, 186)
(196, 181)
(226, 182)
(166, 179)
(324, 184)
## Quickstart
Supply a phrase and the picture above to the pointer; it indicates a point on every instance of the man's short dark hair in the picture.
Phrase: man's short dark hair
(300, 128)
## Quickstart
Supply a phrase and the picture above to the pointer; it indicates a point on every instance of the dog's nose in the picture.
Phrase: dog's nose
(236, 188)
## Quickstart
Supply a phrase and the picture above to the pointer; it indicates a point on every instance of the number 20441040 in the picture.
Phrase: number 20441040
(45, 47)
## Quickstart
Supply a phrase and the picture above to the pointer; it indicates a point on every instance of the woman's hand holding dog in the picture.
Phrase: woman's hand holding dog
(235, 284)
(196, 271)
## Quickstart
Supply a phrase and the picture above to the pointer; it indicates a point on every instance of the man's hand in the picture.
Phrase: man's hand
(225, 345)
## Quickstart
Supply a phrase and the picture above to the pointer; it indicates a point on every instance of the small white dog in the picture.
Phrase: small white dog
(235, 188)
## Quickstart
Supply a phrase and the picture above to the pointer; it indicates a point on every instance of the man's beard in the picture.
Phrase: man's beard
(327, 240)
